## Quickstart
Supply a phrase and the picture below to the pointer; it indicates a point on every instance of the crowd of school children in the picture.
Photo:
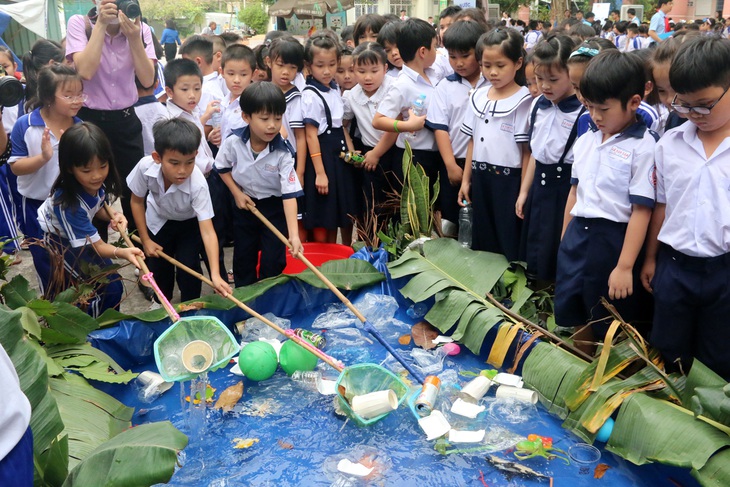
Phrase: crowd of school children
(601, 161)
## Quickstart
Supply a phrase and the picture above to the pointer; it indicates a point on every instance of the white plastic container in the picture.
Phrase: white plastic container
(374, 404)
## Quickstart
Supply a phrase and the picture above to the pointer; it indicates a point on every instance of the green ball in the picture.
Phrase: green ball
(258, 361)
(293, 357)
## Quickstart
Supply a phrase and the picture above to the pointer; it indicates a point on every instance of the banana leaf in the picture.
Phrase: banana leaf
(45, 421)
(716, 472)
(648, 430)
(144, 455)
(17, 292)
(552, 382)
(458, 279)
(707, 394)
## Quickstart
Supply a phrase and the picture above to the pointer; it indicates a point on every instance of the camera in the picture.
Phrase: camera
(11, 90)
(130, 8)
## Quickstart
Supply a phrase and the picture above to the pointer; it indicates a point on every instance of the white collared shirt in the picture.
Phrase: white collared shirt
(73, 222)
(615, 174)
(271, 173)
(407, 88)
(26, 142)
(551, 128)
(363, 108)
(212, 90)
(179, 202)
(293, 117)
(204, 159)
(313, 109)
(696, 190)
(149, 112)
(231, 117)
(450, 108)
(498, 127)
(441, 66)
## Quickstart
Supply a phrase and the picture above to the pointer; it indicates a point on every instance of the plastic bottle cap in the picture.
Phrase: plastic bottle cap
(463, 201)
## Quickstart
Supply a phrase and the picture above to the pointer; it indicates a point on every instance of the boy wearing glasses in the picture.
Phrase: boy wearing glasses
(611, 199)
(688, 249)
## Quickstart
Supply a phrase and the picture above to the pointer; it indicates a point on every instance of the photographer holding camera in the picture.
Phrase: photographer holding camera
(109, 47)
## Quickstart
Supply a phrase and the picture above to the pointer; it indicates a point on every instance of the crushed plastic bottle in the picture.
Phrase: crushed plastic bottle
(215, 119)
(310, 379)
(465, 225)
(417, 310)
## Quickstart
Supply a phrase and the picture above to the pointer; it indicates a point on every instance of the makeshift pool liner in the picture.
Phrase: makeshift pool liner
(300, 437)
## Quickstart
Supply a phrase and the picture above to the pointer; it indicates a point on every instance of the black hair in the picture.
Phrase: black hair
(644, 29)
(463, 36)
(414, 34)
(554, 51)
(595, 44)
(260, 52)
(588, 15)
(169, 24)
(197, 45)
(582, 30)
(346, 34)
(449, 11)
(176, 134)
(345, 51)
(371, 22)
(631, 11)
(621, 26)
(389, 33)
(613, 75)
(701, 62)
(660, 3)
(511, 44)
(369, 53)
(219, 43)
(42, 52)
(229, 38)
(180, 67)
(239, 52)
(263, 97)
(50, 78)
(274, 34)
(533, 24)
(617, 12)
(633, 28)
(288, 50)
(79, 145)
(474, 14)
(389, 17)
(320, 40)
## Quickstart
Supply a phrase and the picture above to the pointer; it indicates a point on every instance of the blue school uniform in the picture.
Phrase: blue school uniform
(498, 129)
(323, 108)
(69, 231)
(611, 176)
(552, 134)
(691, 292)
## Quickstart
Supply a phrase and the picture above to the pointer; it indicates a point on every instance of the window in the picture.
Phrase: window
(366, 7)
(397, 5)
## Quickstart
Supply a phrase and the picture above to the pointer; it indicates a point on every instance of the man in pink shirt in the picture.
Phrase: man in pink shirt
(109, 49)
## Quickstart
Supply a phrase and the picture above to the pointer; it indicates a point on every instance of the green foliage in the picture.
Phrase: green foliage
(75, 426)
(255, 17)
(187, 15)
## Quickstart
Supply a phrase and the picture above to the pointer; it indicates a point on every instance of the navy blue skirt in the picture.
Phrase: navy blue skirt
(494, 191)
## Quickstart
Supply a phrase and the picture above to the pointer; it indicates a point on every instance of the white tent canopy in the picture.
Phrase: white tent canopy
(31, 14)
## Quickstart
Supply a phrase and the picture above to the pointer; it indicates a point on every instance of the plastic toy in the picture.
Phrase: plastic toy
(539, 446)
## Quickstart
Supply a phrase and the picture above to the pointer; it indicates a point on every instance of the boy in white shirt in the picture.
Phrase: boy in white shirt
(149, 110)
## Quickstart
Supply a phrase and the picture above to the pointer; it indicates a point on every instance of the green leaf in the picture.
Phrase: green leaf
(29, 320)
(68, 325)
(649, 430)
(41, 307)
(69, 295)
(707, 394)
(17, 292)
(54, 461)
(345, 274)
(117, 461)
(716, 472)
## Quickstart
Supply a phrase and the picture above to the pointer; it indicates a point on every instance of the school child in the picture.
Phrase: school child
(450, 109)
(172, 209)
(577, 63)
(388, 38)
(633, 41)
(261, 73)
(183, 83)
(257, 165)
(367, 28)
(661, 61)
(530, 80)
(532, 37)
(10, 114)
(607, 31)
(330, 190)
(497, 151)
(687, 251)
(238, 65)
(345, 74)
(361, 102)
(8, 181)
(34, 158)
(547, 176)
(200, 49)
(610, 201)
(620, 38)
(149, 111)
(417, 47)
(87, 178)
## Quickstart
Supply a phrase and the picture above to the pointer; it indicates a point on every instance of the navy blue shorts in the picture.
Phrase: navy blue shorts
(692, 308)
(16, 468)
(588, 254)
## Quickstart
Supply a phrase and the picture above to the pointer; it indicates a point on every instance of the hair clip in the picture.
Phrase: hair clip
(584, 51)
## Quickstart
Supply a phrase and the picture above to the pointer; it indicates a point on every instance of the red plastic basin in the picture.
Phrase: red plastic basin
(317, 254)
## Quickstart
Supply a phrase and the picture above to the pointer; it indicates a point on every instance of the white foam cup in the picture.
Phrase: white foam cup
(517, 393)
(476, 389)
(375, 403)
(197, 356)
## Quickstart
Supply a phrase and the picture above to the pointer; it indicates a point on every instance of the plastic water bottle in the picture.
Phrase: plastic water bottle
(465, 216)
(419, 108)
(311, 379)
(215, 119)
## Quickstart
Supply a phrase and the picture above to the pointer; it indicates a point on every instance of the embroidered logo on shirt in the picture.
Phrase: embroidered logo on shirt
(292, 177)
(507, 127)
(567, 124)
(270, 168)
(616, 151)
(652, 176)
